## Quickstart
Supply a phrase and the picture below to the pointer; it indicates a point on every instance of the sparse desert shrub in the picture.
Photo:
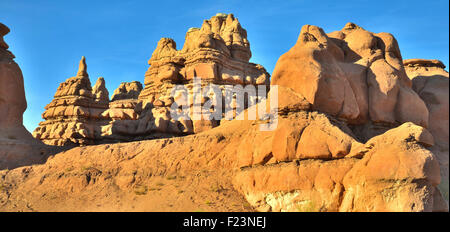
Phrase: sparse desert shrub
(220, 137)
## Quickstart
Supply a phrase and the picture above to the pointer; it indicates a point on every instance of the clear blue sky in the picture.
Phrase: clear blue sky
(118, 37)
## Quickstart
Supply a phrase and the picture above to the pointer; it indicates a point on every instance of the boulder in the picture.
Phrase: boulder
(396, 174)
(431, 83)
(352, 74)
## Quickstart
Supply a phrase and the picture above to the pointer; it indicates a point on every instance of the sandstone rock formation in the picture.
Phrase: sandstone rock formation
(74, 117)
(123, 110)
(351, 135)
(217, 53)
(13, 102)
(313, 162)
(327, 169)
(352, 74)
(17, 146)
(430, 81)
(397, 174)
(393, 172)
(127, 90)
(124, 104)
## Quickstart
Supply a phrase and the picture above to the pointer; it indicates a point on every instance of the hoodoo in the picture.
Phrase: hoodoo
(357, 129)
(17, 146)
(217, 53)
(74, 117)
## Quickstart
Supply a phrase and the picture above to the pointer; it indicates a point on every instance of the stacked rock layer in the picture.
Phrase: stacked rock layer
(322, 156)
(217, 53)
(124, 109)
(75, 114)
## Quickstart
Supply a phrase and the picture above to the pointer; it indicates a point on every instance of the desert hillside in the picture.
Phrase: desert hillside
(343, 124)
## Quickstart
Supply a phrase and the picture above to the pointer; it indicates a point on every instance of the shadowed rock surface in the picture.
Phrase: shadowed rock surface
(346, 138)
(430, 81)
(217, 53)
(127, 90)
(352, 74)
(17, 146)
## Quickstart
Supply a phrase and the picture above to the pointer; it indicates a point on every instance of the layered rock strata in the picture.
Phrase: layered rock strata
(74, 117)
(315, 159)
(124, 103)
(217, 53)
(127, 90)
(124, 109)
(390, 172)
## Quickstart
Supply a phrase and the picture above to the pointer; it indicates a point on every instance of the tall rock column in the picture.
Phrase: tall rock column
(17, 146)
(74, 117)
(12, 93)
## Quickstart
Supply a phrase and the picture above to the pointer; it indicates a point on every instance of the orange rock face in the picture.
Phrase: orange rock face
(17, 146)
(13, 102)
(327, 169)
(127, 90)
(124, 110)
(395, 165)
(350, 132)
(217, 53)
(75, 114)
(333, 163)
(430, 81)
(352, 74)
(125, 104)
(392, 172)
